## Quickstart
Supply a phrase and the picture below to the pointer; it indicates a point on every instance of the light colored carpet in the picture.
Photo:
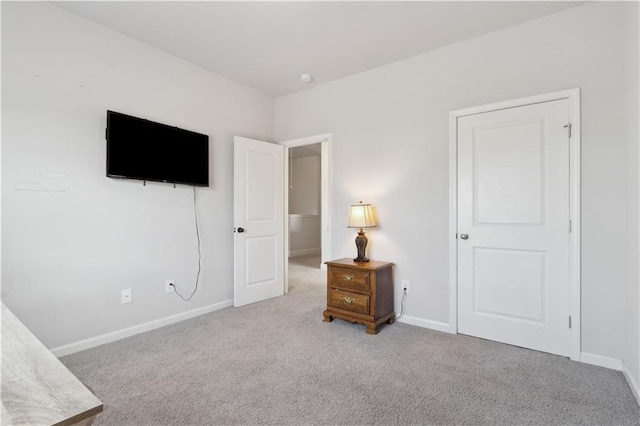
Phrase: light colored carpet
(276, 362)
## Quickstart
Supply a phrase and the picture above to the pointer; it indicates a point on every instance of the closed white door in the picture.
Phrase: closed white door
(258, 220)
(513, 226)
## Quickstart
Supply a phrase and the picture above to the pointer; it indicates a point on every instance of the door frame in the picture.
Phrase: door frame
(573, 96)
(325, 198)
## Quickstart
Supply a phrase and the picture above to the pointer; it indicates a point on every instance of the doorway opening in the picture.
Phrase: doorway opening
(307, 224)
(304, 210)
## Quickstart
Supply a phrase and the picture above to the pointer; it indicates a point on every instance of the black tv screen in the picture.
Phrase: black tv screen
(145, 150)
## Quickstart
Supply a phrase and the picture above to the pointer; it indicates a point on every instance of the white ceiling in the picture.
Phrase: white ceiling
(267, 45)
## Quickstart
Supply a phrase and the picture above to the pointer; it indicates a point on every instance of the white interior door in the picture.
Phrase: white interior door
(513, 226)
(258, 220)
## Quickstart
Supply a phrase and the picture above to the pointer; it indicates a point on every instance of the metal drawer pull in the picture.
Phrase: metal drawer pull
(348, 277)
(348, 300)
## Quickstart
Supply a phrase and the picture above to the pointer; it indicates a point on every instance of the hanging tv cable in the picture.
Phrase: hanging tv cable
(195, 210)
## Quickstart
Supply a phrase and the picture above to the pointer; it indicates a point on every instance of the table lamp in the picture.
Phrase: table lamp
(361, 216)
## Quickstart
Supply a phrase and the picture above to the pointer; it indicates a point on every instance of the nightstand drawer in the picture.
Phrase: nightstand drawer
(350, 301)
(350, 279)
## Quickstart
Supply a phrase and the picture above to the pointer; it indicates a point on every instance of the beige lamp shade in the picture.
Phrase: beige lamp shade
(361, 216)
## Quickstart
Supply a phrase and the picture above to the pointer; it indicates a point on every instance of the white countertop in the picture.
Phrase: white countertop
(37, 389)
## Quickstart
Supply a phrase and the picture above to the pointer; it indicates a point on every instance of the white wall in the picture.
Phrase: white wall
(304, 235)
(67, 255)
(390, 139)
(632, 343)
(304, 206)
(304, 185)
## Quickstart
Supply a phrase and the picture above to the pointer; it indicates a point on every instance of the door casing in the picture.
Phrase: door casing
(573, 96)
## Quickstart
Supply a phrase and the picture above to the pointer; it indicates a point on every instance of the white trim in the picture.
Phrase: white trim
(309, 140)
(325, 195)
(305, 252)
(453, 222)
(632, 383)
(601, 361)
(325, 200)
(573, 96)
(574, 216)
(137, 329)
(286, 218)
(424, 323)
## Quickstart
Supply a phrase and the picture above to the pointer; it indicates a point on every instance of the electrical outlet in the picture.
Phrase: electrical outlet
(405, 286)
(126, 296)
(169, 285)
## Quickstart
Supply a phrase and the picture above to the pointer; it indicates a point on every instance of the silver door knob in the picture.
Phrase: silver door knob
(464, 236)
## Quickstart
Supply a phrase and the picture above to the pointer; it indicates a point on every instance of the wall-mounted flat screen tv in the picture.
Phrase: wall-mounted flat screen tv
(145, 150)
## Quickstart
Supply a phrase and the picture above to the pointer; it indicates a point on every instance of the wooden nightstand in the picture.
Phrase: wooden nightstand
(360, 292)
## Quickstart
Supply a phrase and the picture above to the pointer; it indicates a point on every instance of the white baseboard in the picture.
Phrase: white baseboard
(587, 358)
(601, 361)
(424, 323)
(136, 329)
(632, 382)
(304, 252)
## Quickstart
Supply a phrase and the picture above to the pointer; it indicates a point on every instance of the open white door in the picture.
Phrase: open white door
(258, 215)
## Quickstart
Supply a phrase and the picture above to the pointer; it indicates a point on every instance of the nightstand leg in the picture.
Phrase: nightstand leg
(372, 329)
(327, 317)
